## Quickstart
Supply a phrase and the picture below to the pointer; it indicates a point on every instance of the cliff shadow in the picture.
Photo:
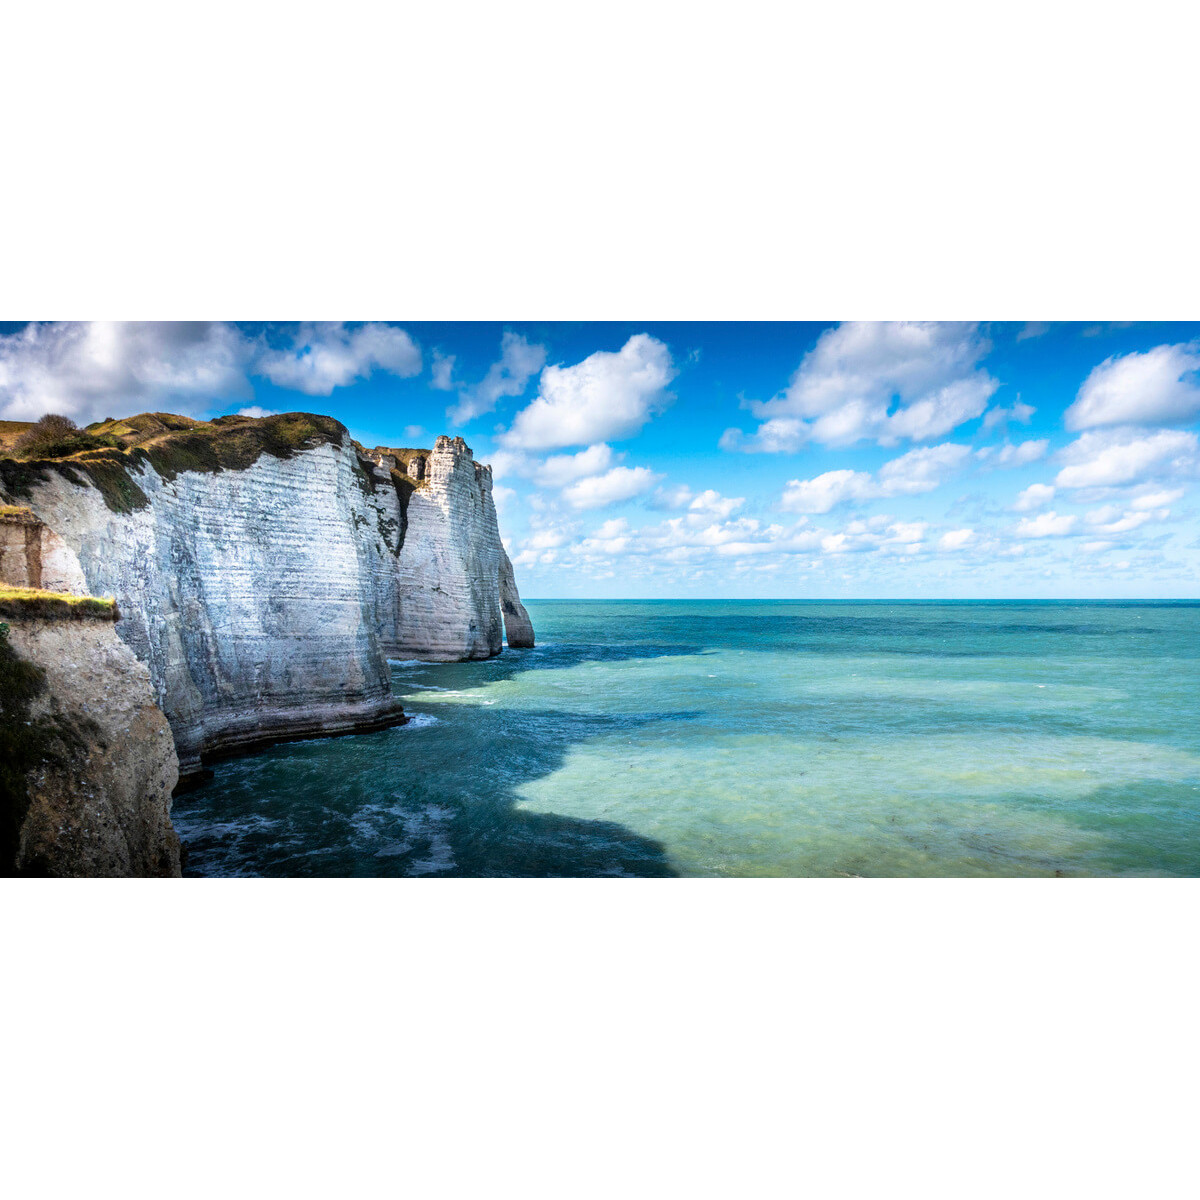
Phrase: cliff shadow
(440, 796)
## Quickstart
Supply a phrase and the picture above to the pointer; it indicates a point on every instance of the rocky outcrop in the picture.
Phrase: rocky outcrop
(88, 759)
(34, 556)
(266, 570)
(517, 626)
(448, 571)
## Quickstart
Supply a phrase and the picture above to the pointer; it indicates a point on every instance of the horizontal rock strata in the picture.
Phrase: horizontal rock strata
(266, 570)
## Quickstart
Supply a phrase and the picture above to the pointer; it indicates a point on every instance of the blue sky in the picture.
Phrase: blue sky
(728, 459)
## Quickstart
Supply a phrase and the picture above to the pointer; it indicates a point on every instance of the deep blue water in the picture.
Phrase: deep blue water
(753, 738)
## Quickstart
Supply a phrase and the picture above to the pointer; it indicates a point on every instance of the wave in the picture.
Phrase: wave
(417, 721)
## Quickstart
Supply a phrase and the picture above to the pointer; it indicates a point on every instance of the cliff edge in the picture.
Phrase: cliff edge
(266, 569)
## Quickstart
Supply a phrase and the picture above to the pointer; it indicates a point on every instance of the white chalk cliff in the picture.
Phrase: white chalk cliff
(266, 570)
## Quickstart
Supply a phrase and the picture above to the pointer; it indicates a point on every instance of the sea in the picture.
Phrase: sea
(752, 738)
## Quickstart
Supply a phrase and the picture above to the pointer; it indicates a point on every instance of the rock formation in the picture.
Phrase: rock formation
(88, 762)
(517, 624)
(447, 573)
(265, 570)
(34, 556)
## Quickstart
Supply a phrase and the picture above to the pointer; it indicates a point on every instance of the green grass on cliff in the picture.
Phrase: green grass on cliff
(233, 444)
(171, 445)
(54, 606)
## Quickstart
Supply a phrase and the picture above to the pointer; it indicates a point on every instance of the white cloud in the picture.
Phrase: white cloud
(519, 361)
(606, 396)
(621, 483)
(881, 380)
(679, 496)
(775, 540)
(542, 545)
(503, 498)
(1118, 457)
(711, 503)
(329, 354)
(1034, 496)
(694, 542)
(611, 538)
(561, 469)
(548, 538)
(256, 410)
(1113, 519)
(88, 370)
(780, 435)
(918, 471)
(611, 528)
(1022, 454)
(1047, 524)
(859, 537)
(702, 507)
(511, 462)
(1111, 523)
(824, 492)
(442, 372)
(1156, 499)
(1143, 388)
(1099, 515)
(921, 470)
(997, 416)
(955, 539)
(413, 435)
(1033, 329)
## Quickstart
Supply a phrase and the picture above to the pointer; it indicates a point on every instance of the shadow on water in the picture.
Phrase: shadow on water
(438, 796)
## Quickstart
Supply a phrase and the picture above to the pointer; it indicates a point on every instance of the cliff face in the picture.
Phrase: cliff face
(266, 570)
(447, 581)
(248, 593)
(85, 788)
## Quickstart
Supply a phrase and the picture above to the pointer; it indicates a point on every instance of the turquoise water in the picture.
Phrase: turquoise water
(753, 739)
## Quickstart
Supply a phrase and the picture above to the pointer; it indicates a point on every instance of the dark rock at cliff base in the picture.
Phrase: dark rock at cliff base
(88, 762)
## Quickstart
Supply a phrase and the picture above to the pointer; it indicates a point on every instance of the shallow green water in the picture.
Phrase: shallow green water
(753, 738)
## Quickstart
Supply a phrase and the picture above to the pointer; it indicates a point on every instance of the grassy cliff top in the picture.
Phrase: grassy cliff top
(18, 602)
(106, 451)
(230, 443)
(10, 431)
(224, 442)
(132, 431)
